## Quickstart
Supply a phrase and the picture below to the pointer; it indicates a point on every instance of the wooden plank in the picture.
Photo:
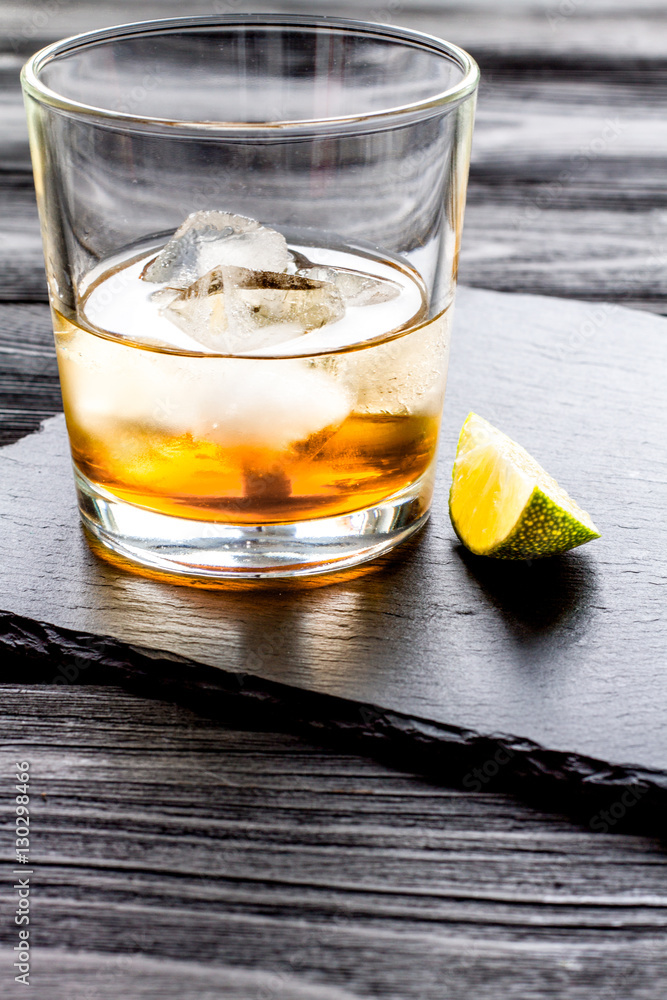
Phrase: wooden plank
(595, 28)
(22, 276)
(516, 243)
(527, 138)
(29, 388)
(268, 863)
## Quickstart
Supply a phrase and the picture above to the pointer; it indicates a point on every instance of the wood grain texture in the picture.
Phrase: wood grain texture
(537, 652)
(566, 187)
(29, 387)
(180, 859)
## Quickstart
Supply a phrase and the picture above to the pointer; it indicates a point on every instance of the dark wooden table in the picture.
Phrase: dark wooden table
(177, 856)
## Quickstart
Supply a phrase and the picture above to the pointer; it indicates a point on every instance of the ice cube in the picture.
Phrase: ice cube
(164, 296)
(265, 404)
(211, 239)
(271, 405)
(233, 309)
(355, 287)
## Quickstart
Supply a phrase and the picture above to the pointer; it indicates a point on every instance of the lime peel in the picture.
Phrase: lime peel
(503, 504)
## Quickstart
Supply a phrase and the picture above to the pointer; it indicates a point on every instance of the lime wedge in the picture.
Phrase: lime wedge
(503, 504)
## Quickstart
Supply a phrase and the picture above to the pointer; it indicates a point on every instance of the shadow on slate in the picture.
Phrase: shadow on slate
(535, 598)
(543, 679)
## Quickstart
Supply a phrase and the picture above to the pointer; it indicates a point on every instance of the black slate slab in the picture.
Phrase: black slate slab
(568, 653)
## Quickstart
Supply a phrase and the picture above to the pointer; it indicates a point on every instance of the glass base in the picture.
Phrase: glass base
(204, 550)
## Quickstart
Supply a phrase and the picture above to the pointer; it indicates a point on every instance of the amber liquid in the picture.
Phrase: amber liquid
(368, 458)
(138, 429)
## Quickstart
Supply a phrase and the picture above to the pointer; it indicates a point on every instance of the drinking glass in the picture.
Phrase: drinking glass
(251, 229)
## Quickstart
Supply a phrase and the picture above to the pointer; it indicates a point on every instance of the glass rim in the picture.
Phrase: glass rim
(35, 88)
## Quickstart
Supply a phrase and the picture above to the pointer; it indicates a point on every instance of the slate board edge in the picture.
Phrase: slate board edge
(605, 797)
